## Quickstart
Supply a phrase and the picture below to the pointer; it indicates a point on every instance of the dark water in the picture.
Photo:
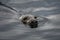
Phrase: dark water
(12, 29)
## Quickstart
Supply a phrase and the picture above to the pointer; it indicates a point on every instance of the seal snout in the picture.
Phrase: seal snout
(33, 24)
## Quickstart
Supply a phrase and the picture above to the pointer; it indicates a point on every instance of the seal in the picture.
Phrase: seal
(30, 20)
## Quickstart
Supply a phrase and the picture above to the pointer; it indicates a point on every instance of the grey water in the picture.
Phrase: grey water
(12, 29)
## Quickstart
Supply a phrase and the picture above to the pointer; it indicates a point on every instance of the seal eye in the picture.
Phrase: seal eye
(25, 18)
(35, 17)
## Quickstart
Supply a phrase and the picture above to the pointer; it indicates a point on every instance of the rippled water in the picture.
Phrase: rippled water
(12, 29)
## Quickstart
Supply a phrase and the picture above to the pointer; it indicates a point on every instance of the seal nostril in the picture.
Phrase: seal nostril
(35, 21)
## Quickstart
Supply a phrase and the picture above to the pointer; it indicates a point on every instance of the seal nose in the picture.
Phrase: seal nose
(33, 24)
